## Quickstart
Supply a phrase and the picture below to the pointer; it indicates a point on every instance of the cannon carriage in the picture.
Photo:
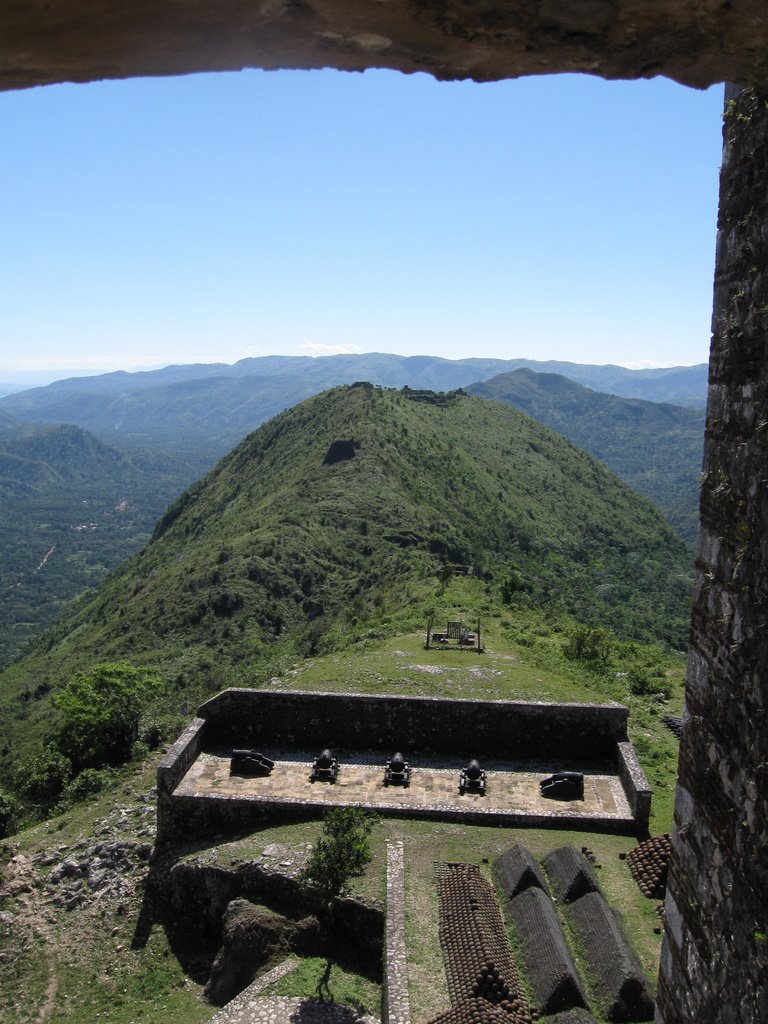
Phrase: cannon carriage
(473, 777)
(397, 770)
(325, 767)
(250, 762)
(563, 786)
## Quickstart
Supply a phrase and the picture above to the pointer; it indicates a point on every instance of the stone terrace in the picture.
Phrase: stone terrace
(518, 744)
(512, 795)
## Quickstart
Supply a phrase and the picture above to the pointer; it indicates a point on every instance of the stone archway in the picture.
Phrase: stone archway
(715, 956)
(693, 42)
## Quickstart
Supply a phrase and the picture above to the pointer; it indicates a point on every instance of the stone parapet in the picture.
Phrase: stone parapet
(180, 757)
(475, 728)
(636, 786)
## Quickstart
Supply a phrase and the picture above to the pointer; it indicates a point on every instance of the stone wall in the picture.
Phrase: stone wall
(181, 756)
(468, 728)
(714, 964)
(171, 770)
(635, 784)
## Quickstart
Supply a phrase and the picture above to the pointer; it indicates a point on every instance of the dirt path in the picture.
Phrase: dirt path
(48, 1003)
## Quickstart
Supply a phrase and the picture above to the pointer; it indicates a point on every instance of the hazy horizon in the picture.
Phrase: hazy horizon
(214, 217)
(21, 380)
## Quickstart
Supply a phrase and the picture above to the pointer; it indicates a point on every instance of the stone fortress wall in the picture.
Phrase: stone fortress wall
(535, 733)
(714, 962)
(514, 729)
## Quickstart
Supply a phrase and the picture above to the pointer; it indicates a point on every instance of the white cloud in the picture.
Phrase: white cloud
(646, 364)
(319, 349)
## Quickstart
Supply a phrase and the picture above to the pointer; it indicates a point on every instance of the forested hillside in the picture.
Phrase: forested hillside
(180, 420)
(279, 546)
(654, 447)
(71, 509)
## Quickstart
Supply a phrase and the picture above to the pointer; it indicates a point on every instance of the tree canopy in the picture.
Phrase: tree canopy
(101, 710)
(340, 853)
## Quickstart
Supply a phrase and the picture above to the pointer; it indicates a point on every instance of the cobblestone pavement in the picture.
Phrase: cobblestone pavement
(398, 1010)
(249, 1009)
(508, 790)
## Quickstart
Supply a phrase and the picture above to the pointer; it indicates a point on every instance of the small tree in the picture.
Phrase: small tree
(592, 646)
(340, 853)
(41, 777)
(101, 710)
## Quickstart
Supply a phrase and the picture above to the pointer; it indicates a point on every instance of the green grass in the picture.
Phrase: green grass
(340, 985)
(401, 665)
(121, 985)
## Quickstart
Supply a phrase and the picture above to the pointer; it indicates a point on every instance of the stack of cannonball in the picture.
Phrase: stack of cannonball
(648, 863)
(483, 980)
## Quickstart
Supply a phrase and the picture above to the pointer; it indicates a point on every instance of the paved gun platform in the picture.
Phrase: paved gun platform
(512, 795)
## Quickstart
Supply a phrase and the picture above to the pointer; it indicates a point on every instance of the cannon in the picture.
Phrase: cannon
(325, 766)
(250, 762)
(472, 777)
(397, 770)
(563, 786)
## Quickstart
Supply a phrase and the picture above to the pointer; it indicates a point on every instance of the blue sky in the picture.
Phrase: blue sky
(213, 217)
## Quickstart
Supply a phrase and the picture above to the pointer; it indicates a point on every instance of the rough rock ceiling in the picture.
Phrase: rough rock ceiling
(696, 42)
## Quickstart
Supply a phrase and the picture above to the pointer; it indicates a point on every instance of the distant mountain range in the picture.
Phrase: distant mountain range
(211, 407)
(66, 492)
(655, 447)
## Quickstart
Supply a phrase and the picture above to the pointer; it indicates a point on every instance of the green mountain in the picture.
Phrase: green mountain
(293, 536)
(654, 447)
(71, 509)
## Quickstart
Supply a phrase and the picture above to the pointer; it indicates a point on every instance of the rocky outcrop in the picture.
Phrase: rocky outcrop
(104, 868)
(191, 894)
(251, 937)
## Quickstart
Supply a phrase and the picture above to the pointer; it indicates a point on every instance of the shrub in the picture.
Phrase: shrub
(40, 779)
(10, 809)
(340, 853)
(592, 646)
(155, 727)
(101, 710)
(85, 785)
(643, 683)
